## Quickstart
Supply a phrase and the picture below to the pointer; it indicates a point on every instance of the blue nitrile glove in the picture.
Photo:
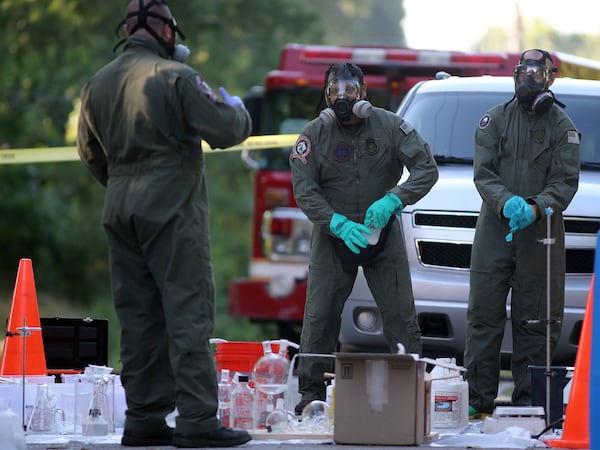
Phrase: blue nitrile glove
(381, 210)
(519, 213)
(352, 233)
(232, 100)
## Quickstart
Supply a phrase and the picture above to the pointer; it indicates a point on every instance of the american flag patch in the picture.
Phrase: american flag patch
(406, 127)
(572, 137)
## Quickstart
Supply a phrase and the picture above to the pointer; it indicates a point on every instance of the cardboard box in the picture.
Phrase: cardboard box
(380, 399)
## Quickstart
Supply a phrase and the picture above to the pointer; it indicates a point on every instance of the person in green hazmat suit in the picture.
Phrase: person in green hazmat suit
(143, 117)
(526, 169)
(346, 165)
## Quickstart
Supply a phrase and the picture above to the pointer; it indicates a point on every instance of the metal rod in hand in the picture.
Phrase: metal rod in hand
(548, 242)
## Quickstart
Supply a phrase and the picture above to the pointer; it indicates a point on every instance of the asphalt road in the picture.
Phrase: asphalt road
(471, 437)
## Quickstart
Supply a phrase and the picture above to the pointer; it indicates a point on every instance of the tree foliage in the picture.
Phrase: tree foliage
(537, 33)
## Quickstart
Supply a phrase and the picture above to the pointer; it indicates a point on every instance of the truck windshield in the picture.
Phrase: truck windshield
(448, 121)
(287, 110)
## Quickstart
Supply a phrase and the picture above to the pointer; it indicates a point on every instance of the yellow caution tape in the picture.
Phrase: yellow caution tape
(57, 154)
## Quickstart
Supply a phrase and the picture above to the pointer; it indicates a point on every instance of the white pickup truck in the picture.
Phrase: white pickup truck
(439, 228)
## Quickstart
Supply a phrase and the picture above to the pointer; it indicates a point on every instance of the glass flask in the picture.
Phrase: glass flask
(270, 377)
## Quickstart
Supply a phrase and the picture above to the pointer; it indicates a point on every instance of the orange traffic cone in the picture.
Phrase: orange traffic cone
(576, 429)
(23, 346)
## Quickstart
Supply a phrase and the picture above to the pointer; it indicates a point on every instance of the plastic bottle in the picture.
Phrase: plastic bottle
(225, 389)
(330, 399)
(12, 436)
(242, 400)
(449, 404)
(567, 392)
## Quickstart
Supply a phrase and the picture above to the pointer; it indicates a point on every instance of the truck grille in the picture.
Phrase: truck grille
(446, 220)
(457, 255)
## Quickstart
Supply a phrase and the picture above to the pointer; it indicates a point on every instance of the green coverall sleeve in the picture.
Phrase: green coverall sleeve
(414, 153)
(309, 195)
(89, 149)
(562, 179)
(219, 124)
(487, 180)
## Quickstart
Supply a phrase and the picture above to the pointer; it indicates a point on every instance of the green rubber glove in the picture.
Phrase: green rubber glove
(381, 210)
(513, 205)
(352, 233)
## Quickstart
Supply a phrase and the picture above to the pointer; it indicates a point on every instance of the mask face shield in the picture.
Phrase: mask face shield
(342, 94)
(533, 77)
(349, 89)
(538, 73)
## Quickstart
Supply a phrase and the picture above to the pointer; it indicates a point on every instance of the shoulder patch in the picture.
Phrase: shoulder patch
(301, 149)
(205, 89)
(484, 121)
(572, 137)
(406, 127)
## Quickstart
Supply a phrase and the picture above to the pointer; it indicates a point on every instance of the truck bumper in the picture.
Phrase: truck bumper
(251, 299)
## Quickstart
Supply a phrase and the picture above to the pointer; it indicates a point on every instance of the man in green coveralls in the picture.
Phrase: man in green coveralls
(526, 161)
(346, 166)
(142, 119)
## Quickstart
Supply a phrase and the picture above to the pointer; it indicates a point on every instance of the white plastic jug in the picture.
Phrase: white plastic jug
(449, 403)
(12, 436)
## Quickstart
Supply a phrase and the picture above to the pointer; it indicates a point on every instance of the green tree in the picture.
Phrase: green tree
(537, 33)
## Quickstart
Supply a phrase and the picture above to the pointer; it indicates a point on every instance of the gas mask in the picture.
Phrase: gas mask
(347, 93)
(531, 86)
(177, 52)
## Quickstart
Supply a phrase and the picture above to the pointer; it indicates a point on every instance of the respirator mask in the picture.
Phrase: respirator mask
(347, 92)
(177, 52)
(180, 53)
(531, 86)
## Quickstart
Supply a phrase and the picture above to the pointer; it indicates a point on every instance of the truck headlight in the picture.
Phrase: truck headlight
(281, 286)
(285, 234)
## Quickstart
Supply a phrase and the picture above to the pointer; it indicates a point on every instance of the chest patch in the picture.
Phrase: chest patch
(301, 149)
(341, 152)
(372, 148)
(539, 135)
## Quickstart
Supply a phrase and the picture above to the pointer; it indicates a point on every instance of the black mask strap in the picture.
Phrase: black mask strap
(558, 102)
(142, 14)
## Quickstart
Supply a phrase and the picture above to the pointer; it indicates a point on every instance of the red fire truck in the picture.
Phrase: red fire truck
(275, 289)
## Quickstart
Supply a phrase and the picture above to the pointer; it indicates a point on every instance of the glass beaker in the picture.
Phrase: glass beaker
(43, 415)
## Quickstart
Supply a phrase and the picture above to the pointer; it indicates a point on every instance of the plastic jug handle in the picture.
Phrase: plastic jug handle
(291, 371)
(289, 343)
